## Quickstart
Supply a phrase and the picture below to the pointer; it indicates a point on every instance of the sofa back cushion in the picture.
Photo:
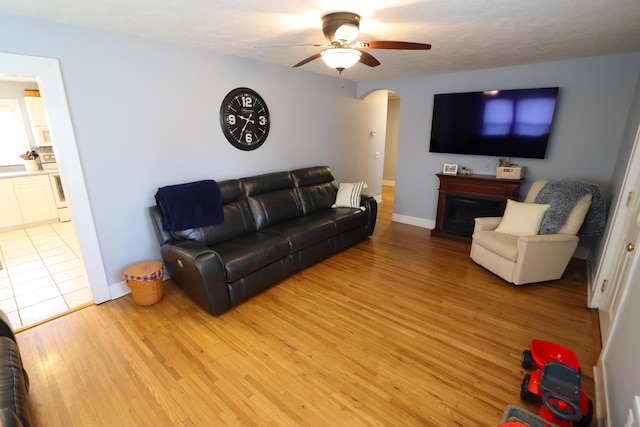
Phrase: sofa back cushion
(237, 218)
(316, 187)
(272, 198)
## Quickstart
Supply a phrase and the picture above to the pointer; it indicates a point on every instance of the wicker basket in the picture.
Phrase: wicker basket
(145, 281)
(511, 172)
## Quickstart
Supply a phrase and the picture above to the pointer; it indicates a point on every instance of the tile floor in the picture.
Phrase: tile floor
(42, 273)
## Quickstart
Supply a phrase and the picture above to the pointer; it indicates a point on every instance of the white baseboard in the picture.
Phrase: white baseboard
(119, 289)
(412, 220)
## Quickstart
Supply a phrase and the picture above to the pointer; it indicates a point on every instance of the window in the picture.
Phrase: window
(13, 136)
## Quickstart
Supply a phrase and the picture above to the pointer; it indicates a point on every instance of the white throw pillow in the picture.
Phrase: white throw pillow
(522, 219)
(349, 195)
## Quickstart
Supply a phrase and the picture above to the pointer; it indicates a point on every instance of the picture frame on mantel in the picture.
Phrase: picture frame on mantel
(450, 169)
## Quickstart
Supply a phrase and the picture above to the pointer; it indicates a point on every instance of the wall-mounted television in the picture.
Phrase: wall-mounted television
(502, 123)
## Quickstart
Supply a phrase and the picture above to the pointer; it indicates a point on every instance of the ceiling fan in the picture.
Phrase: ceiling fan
(341, 29)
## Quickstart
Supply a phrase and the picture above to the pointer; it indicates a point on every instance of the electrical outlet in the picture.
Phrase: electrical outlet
(376, 155)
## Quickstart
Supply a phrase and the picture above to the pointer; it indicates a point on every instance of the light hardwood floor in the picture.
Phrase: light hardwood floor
(401, 330)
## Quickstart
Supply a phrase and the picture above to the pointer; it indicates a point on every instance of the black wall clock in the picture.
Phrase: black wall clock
(244, 118)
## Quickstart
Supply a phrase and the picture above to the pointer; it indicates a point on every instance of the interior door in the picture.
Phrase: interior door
(621, 245)
(624, 256)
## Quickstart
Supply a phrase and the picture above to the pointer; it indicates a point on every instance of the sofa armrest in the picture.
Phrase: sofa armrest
(6, 330)
(371, 209)
(487, 223)
(200, 272)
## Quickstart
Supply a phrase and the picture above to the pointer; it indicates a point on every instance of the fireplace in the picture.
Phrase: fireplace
(461, 198)
(460, 211)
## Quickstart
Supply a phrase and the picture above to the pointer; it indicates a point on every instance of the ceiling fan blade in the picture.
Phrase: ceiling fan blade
(294, 45)
(368, 59)
(307, 60)
(382, 44)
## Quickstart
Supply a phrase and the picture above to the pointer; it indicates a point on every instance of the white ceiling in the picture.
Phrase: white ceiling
(465, 34)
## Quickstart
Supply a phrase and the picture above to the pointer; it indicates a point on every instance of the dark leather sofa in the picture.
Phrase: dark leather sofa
(274, 225)
(14, 382)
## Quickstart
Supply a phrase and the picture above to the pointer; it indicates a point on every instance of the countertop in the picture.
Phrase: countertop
(18, 174)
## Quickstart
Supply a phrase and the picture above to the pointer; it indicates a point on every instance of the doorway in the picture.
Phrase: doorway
(49, 77)
(42, 272)
(390, 152)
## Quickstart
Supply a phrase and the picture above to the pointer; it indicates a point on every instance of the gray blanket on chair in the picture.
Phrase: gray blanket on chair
(563, 195)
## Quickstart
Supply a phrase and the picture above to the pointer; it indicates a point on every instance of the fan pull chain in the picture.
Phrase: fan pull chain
(340, 70)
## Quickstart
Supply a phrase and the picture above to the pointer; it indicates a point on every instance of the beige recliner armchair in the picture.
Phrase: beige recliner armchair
(511, 247)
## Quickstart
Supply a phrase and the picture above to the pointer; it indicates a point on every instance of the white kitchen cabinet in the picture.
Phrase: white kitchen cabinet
(10, 215)
(38, 119)
(36, 110)
(35, 198)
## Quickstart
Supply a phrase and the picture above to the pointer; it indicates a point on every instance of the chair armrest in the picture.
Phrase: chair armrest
(543, 257)
(548, 238)
(487, 223)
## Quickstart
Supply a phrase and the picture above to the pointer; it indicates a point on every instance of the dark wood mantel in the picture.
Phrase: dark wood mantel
(475, 187)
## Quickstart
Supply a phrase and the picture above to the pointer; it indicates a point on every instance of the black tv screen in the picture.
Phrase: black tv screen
(502, 123)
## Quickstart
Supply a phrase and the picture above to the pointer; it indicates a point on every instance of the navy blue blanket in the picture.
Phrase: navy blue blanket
(191, 205)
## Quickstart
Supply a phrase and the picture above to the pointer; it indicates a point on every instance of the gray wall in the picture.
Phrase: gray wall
(145, 115)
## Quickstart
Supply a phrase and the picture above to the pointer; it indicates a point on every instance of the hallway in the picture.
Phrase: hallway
(42, 274)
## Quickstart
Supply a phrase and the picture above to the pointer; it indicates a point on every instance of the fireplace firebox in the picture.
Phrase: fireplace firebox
(461, 198)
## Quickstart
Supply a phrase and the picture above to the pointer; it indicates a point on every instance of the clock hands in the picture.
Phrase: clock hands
(246, 122)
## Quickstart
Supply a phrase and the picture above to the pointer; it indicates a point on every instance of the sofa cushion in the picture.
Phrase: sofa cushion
(272, 198)
(237, 218)
(345, 219)
(304, 231)
(251, 252)
(316, 187)
(522, 219)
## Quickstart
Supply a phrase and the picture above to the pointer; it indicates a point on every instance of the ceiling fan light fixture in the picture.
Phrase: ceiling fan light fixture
(346, 33)
(341, 28)
(340, 58)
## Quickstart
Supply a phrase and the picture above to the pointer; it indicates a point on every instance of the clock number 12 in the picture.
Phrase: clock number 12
(247, 101)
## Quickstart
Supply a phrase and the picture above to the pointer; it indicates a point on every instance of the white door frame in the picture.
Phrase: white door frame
(49, 77)
(615, 237)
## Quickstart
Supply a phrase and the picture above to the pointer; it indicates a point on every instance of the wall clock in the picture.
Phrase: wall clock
(244, 118)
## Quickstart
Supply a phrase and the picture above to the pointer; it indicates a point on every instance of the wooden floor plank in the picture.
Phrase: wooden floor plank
(403, 329)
